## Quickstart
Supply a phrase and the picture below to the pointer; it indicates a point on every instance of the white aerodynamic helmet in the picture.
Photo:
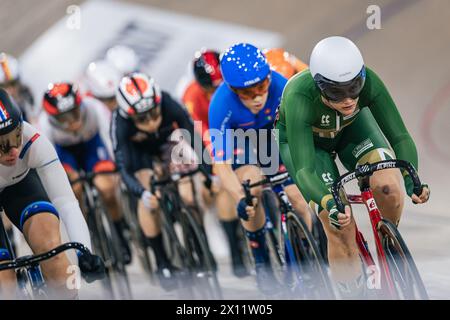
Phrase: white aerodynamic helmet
(123, 58)
(102, 79)
(9, 68)
(337, 66)
(138, 96)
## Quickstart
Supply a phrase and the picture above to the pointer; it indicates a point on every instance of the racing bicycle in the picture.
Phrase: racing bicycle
(105, 240)
(31, 282)
(395, 276)
(294, 254)
(182, 226)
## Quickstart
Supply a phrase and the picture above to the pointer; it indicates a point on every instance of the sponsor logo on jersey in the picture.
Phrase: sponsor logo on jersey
(363, 146)
(327, 178)
(325, 120)
(246, 124)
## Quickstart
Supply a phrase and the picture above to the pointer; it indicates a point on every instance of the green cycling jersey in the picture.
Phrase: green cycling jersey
(306, 125)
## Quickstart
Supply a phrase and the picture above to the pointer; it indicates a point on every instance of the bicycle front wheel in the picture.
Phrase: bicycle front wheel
(313, 279)
(111, 248)
(403, 270)
(201, 260)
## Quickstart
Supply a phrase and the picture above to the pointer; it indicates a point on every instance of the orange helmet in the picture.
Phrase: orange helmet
(283, 62)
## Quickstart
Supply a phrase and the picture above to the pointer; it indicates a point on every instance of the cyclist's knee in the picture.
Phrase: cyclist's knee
(387, 185)
(40, 225)
(47, 243)
(41, 216)
(106, 185)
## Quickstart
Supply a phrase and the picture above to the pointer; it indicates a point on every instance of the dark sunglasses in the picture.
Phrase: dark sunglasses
(339, 91)
(11, 83)
(69, 116)
(144, 117)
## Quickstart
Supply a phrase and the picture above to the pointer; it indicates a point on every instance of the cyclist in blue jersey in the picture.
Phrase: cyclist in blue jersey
(241, 116)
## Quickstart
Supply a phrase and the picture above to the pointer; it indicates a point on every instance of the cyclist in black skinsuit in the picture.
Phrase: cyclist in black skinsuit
(141, 129)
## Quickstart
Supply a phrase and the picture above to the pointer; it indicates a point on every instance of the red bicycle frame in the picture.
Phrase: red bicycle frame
(368, 200)
(363, 173)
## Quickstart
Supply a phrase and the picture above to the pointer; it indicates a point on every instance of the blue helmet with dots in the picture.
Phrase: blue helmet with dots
(243, 65)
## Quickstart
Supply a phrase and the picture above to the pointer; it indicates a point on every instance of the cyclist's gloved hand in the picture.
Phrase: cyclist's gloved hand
(244, 210)
(208, 182)
(424, 196)
(92, 267)
(339, 220)
(149, 200)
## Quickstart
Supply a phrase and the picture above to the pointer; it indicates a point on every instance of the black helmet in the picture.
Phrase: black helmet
(207, 68)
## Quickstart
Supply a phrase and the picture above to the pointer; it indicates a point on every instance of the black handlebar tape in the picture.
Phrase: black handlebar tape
(248, 195)
(369, 169)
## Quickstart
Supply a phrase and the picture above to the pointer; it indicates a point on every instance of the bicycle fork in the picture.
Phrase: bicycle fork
(290, 259)
(375, 220)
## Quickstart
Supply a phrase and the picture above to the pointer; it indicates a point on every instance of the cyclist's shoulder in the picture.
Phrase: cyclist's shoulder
(373, 85)
(301, 93)
(278, 79)
(29, 131)
(35, 144)
(302, 84)
(170, 106)
(223, 101)
(119, 120)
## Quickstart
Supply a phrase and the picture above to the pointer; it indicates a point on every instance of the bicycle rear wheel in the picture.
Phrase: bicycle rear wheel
(404, 273)
(314, 282)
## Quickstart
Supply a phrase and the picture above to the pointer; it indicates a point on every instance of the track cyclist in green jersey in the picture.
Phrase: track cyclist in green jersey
(341, 107)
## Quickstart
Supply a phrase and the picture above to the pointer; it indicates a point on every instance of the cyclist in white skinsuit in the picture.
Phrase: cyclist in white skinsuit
(75, 131)
(35, 193)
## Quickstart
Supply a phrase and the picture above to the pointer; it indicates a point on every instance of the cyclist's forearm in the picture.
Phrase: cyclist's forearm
(405, 149)
(57, 186)
(229, 180)
(313, 188)
(133, 184)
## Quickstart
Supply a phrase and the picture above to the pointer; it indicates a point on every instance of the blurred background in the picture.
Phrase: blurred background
(56, 40)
